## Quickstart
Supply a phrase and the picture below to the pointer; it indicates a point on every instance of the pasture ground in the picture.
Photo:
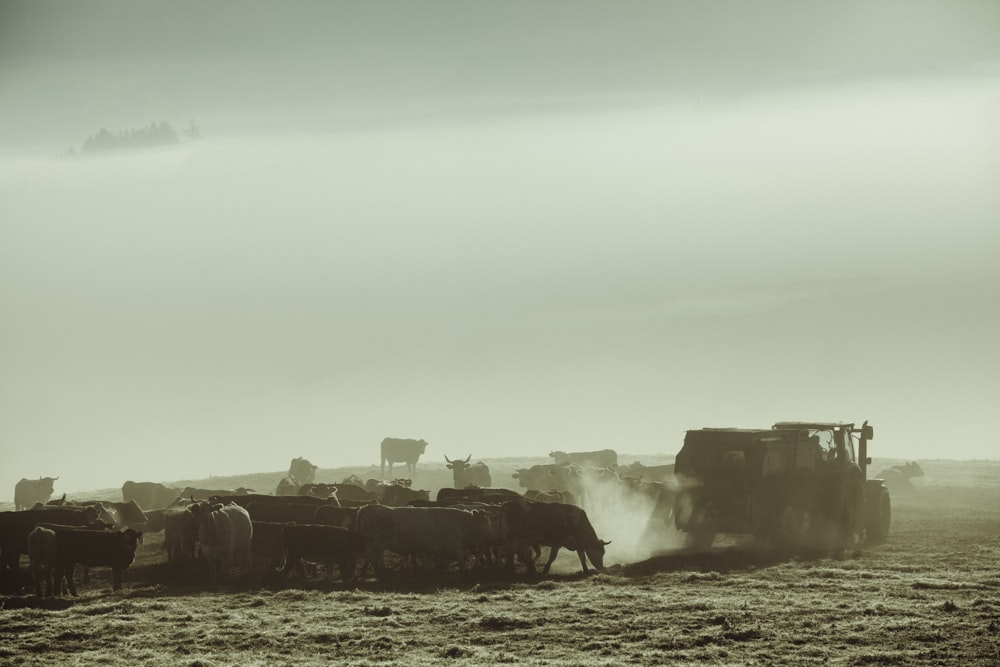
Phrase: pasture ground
(930, 595)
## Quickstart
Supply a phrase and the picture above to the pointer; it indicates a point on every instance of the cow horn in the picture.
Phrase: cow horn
(468, 457)
(605, 543)
(447, 459)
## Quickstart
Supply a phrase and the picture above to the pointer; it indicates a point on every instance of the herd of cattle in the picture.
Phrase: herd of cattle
(336, 525)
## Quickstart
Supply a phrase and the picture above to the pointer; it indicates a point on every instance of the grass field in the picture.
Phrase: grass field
(930, 595)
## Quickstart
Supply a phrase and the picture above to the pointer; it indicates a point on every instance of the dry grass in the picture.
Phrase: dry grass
(931, 595)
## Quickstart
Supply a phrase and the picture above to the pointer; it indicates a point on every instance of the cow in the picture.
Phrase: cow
(399, 493)
(267, 547)
(546, 477)
(301, 471)
(15, 527)
(123, 515)
(286, 487)
(155, 521)
(345, 517)
(604, 458)
(442, 532)
(355, 492)
(42, 553)
(898, 478)
(224, 535)
(282, 512)
(149, 495)
(402, 450)
(318, 490)
(27, 492)
(324, 544)
(180, 533)
(466, 474)
(658, 473)
(487, 495)
(93, 548)
(207, 494)
(555, 525)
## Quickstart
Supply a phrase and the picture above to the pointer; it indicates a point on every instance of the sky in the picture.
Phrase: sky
(504, 228)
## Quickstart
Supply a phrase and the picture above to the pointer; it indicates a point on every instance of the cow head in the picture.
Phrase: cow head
(423, 445)
(595, 553)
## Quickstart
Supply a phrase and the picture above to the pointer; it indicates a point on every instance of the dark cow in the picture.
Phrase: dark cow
(898, 478)
(399, 493)
(345, 517)
(286, 487)
(441, 532)
(402, 450)
(16, 526)
(27, 492)
(267, 547)
(93, 548)
(323, 544)
(604, 458)
(466, 474)
(355, 493)
(149, 495)
(659, 473)
(180, 533)
(224, 535)
(487, 495)
(282, 512)
(301, 471)
(192, 493)
(554, 525)
(42, 553)
(546, 477)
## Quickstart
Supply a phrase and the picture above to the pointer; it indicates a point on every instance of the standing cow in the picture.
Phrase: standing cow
(224, 534)
(93, 548)
(402, 450)
(27, 492)
(466, 474)
(604, 458)
(149, 495)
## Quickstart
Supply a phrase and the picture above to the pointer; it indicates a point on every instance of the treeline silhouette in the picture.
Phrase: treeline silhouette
(153, 135)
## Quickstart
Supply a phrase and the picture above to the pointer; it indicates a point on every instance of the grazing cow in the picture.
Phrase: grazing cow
(149, 495)
(554, 525)
(286, 487)
(323, 544)
(466, 474)
(224, 535)
(16, 526)
(301, 471)
(93, 548)
(604, 458)
(27, 492)
(442, 532)
(402, 450)
(207, 494)
(898, 478)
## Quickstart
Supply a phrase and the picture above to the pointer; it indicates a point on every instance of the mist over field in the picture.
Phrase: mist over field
(494, 264)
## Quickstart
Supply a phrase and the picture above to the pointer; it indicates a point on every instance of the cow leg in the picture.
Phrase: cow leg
(553, 552)
(116, 579)
(86, 575)
(583, 561)
(69, 579)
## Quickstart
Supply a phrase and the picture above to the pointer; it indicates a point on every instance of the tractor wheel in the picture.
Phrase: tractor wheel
(878, 514)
